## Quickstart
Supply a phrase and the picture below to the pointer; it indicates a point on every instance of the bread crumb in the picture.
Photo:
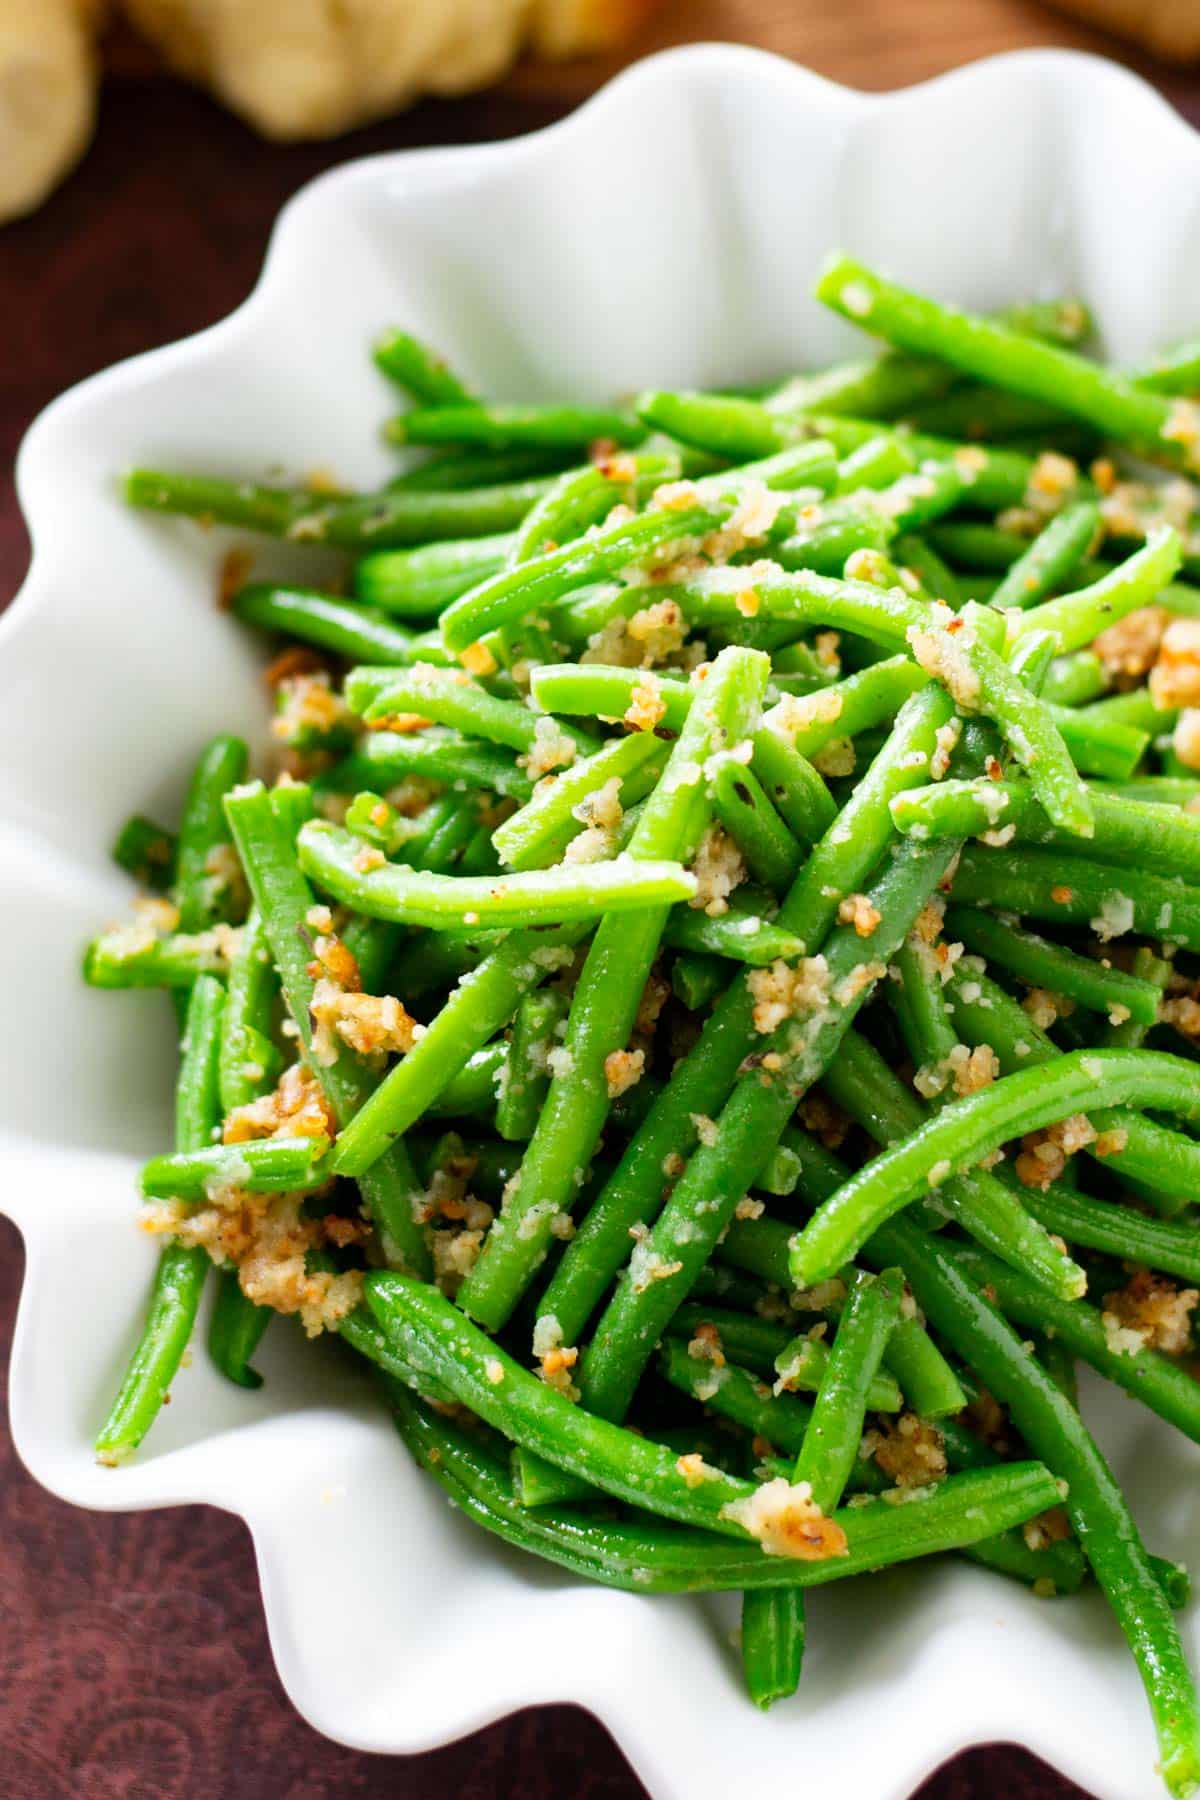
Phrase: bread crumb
(782, 991)
(787, 1522)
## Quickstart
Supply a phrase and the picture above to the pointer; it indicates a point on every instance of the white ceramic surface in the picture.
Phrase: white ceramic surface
(666, 233)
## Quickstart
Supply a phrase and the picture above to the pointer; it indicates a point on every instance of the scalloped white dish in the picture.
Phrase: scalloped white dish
(665, 234)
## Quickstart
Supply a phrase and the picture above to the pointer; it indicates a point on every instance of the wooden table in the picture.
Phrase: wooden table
(135, 1660)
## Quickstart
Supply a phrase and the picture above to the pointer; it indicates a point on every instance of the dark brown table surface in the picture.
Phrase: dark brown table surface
(134, 1659)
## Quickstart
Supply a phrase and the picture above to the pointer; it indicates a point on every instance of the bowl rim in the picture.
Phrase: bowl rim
(35, 472)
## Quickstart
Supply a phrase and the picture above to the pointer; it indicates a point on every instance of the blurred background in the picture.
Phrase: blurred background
(145, 149)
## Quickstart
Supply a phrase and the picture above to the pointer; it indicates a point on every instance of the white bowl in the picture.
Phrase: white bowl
(666, 233)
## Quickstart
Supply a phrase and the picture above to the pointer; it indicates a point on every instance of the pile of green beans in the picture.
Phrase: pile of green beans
(714, 983)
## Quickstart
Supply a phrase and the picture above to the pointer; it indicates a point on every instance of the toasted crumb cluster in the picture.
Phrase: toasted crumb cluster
(555, 1359)
(858, 911)
(623, 1069)
(553, 748)
(296, 1107)
(646, 1265)
(785, 990)
(646, 704)
(787, 1521)
(267, 1237)
(907, 1448)
(798, 712)
(654, 637)
(942, 653)
(1044, 1154)
(600, 815)
(967, 1070)
(1152, 1310)
(718, 867)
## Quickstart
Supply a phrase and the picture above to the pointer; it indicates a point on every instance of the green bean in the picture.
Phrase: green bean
(990, 413)
(832, 1440)
(1051, 557)
(1174, 371)
(1038, 963)
(1078, 618)
(1039, 884)
(473, 1088)
(979, 680)
(739, 935)
(1150, 1377)
(526, 1072)
(697, 980)
(315, 618)
(749, 1126)
(883, 616)
(1129, 832)
(1097, 1509)
(746, 1339)
(476, 468)
(132, 956)
(875, 464)
(221, 766)
(647, 1557)
(435, 1337)
(415, 365)
(235, 1331)
(548, 578)
(826, 536)
(481, 1005)
(724, 424)
(182, 1269)
(1119, 1231)
(770, 851)
(700, 1084)
(1135, 416)
(894, 381)
(447, 698)
(1155, 790)
(606, 998)
(793, 786)
(1098, 747)
(146, 851)
(539, 832)
(734, 1393)
(773, 1634)
(350, 521)
(262, 1166)
(508, 427)
(602, 691)
(1136, 708)
(331, 856)
(762, 1245)
(802, 1366)
(1131, 1033)
(385, 757)
(798, 1165)
(1163, 1164)
(284, 899)
(417, 584)
(864, 1086)
(581, 498)
(1075, 679)
(915, 553)
(870, 697)
(969, 1128)
(727, 1287)
(245, 1031)
(996, 476)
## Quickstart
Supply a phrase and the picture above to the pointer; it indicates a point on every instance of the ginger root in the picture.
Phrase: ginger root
(291, 68)
(48, 85)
